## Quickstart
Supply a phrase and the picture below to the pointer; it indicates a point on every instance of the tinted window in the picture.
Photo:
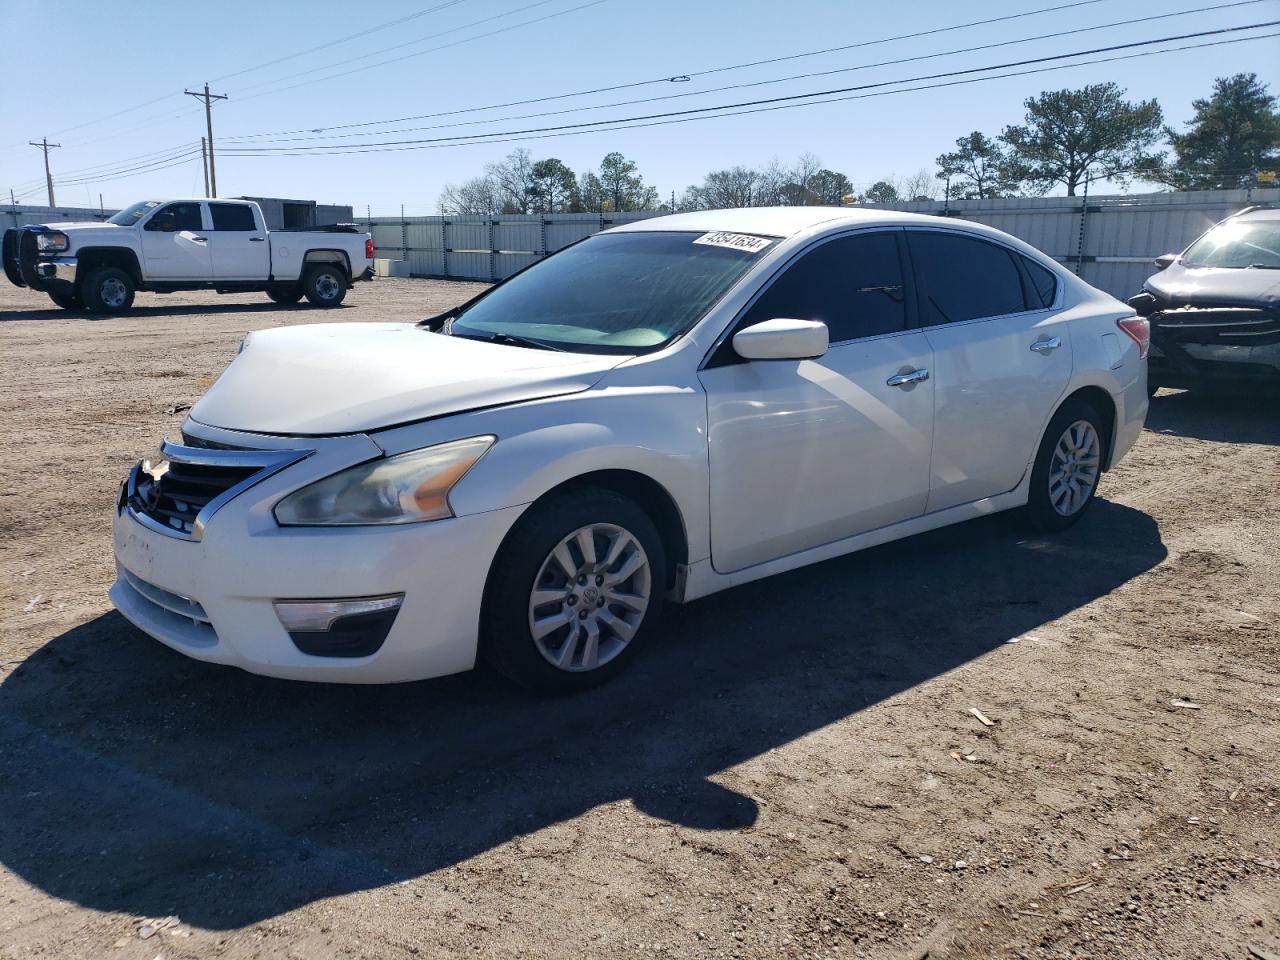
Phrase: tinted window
(963, 278)
(1043, 284)
(853, 285)
(614, 292)
(182, 216)
(232, 216)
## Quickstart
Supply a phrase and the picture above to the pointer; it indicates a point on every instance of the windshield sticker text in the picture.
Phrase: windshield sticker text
(734, 241)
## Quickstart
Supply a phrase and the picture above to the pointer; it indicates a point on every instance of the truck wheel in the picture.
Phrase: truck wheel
(286, 297)
(325, 286)
(108, 290)
(67, 301)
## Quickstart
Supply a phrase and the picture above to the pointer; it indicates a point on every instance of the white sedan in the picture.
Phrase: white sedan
(664, 410)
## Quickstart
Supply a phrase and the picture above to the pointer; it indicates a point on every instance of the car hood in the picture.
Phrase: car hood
(336, 378)
(79, 225)
(1216, 285)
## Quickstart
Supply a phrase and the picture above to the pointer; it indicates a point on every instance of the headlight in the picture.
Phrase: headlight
(51, 242)
(407, 488)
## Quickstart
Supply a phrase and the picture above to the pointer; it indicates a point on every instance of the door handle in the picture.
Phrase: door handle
(257, 239)
(200, 239)
(1046, 346)
(906, 379)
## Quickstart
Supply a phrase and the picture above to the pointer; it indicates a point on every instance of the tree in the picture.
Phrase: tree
(514, 179)
(479, 195)
(882, 191)
(1070, 135)
(722, 189)
(623, 188)
(921, 185)
(828, 188)
(978, 169)
(1233, 133)
(590, 196)
(554, 186)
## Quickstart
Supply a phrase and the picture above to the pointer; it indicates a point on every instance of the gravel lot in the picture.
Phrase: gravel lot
(792, 771)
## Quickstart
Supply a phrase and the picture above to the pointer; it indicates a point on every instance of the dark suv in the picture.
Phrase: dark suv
(1215, 309)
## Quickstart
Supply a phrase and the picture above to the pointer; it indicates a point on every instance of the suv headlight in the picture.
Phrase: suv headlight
(407, 488)
(52, 242)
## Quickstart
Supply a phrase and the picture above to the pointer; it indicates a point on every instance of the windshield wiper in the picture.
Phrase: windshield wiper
(509, 339)
(1263, 266)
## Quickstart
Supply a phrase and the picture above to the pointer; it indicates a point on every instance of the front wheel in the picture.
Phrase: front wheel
(574, 592)
(325, 286)
(1067, 468)
(108, 290)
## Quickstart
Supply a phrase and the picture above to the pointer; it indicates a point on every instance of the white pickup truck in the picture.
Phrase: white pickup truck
(192, 244)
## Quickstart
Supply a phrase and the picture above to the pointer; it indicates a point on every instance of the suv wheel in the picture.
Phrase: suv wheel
(574, 592)
(108, 290)
(67, 301)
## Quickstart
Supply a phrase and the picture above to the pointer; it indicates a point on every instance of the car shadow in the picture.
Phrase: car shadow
(1217, 416)
(161, 310)
(135, 780)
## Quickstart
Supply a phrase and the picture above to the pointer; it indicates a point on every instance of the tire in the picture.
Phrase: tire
(285, 297)
(325, 285)
(527, 563)
(108, 290)
(1063, 480)
(67, 301)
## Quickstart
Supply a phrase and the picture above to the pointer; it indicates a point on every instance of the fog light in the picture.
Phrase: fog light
(339, 628)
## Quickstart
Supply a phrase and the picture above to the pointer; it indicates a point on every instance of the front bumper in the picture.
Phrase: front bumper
(1207, 343)
(213, 598)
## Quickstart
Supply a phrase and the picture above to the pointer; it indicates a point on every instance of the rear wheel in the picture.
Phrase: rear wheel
(1068, 467)
(67, 301)
(108, 290)
(286, 297)
(325, 286)
(574, 592)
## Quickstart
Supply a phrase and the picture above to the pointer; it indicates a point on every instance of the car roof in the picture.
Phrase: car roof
(1259, 213)
(774, 221)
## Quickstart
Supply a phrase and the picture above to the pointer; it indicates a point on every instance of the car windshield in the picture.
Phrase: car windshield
(614, 292)
(1242, 243)
(132, 214)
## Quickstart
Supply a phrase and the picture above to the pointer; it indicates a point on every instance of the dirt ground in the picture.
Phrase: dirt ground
(793, 770)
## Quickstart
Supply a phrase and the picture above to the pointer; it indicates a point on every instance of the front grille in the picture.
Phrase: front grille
(179, 496)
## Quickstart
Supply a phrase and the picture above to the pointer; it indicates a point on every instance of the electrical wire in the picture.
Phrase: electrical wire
(480, 138)
(759, 83)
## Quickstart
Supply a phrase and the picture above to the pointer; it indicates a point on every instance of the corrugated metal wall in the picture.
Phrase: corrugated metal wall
(1109, 240)
(17, 216)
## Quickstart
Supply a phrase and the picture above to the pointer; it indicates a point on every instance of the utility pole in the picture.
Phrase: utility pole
(204, 163)
(46, 146)
(208, 99)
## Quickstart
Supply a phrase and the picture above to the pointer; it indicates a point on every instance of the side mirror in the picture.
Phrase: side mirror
(782, 339)
(1165, 260)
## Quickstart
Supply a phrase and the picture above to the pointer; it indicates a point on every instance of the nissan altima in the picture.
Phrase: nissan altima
(661, 411)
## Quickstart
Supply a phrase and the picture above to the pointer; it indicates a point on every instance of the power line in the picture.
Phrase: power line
(480, 138)
(777, 80)
(158, 164)
(346, 38)
(691, 74)
(104, 167)
(622, 125)
(443, 46)
(407, 43)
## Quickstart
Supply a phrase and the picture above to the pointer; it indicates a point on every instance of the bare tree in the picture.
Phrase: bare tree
(723, 189)
(515, 180)
(919, 186)
(479, 195)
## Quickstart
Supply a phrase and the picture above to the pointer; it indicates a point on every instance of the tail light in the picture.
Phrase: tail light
(368, 250)
(1138, 330)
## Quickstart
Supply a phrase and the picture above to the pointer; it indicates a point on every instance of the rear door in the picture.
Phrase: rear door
(807, 452)
(1001, 357)
(175, 245)
(238, 243)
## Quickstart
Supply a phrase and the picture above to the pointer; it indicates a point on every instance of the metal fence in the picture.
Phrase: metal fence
(17, 216)
(1109, 240)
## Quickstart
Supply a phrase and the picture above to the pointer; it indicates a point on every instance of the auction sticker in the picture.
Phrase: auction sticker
(734, 241)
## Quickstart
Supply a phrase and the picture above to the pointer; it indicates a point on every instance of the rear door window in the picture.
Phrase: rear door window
(852, 284)
(232, 216)
(1043, 285)
(964, 278)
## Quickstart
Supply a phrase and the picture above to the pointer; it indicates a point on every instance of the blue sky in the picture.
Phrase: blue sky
(87, 61)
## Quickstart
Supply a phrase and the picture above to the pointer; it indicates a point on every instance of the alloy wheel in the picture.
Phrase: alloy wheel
(590, 597)
(1073, 471)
